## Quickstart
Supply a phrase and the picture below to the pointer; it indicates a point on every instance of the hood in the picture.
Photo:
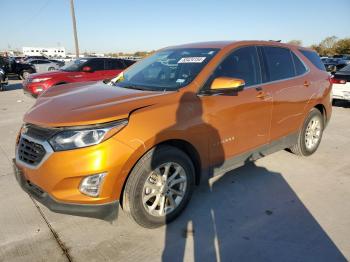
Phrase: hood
(87, 104)
(51, 74)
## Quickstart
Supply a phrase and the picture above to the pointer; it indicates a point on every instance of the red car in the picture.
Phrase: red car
(80, 70)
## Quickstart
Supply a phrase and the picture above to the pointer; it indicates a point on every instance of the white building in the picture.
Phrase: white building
(49, 52)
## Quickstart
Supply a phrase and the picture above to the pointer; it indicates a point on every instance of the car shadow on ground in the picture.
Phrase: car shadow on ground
(13, 86)
(341, 103)
(249, 214)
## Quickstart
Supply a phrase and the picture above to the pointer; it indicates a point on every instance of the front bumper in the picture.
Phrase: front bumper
(34, 89)
(106, 211)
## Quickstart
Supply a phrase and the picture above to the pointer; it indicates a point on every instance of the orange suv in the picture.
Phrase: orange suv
(176, 118)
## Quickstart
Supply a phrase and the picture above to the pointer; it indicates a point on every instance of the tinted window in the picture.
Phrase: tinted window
(299, 66)
(96, 64)
(242, 63)
(128, 62)
(279, 63)
(314, 59)
(114, 64)
(43, 62)
(345, 69)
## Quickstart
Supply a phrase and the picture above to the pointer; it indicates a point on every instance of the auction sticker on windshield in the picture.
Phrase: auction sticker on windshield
(191, 60)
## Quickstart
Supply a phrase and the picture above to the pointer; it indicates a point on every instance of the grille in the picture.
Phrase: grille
(30, 152)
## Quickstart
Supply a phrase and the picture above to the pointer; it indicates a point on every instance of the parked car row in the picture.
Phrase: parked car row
(336, 62)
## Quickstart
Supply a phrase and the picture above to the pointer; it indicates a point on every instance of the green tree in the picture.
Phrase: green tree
(342, 46)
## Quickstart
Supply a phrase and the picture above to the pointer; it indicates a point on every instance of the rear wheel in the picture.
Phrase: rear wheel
(159, 187)
(310, 134)
(51, 69)
(24, 74)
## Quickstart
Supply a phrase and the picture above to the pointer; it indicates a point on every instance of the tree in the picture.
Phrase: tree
(295, 42)
(342, 46)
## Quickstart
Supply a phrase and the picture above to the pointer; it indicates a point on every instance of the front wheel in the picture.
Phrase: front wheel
(310, 134)
(159, 187)
(24, 74)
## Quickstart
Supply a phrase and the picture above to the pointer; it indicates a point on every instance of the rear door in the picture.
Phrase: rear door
(97, 65)
(286, 79)
(242, 120)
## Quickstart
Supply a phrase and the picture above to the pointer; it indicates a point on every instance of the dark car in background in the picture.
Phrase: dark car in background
(334, 64)
(3, 79)
(79, 70)
(11, 67)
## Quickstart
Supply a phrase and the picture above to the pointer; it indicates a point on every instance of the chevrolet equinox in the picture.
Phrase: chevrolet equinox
(178, 117)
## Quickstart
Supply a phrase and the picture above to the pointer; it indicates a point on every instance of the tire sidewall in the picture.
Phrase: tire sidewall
(23, 75)
(313, 113)
(156, 159)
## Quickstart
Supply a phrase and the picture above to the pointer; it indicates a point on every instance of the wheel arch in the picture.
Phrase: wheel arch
(180, 144)
(60, 83)
(322, 109)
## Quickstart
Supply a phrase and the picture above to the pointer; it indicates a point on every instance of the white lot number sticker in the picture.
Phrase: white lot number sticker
(198, 59)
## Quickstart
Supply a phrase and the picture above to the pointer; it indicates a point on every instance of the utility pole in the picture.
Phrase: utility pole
(74, 29)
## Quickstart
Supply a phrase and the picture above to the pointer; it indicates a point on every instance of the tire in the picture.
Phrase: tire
(143, 183)
(51, 69)
(309, 139)
(24, 74)
(2, 87)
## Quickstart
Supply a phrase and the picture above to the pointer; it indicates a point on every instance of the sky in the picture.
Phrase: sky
(144, 25)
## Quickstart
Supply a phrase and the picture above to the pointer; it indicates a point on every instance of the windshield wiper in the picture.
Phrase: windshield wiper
(132, 87)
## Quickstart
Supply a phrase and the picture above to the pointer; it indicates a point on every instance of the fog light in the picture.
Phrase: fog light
(91, 185)
(39, 89)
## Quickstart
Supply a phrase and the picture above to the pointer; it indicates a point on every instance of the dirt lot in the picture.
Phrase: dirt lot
(280, 208)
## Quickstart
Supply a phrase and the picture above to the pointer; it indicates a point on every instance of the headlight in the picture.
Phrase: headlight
(37, 80)
(78, 138)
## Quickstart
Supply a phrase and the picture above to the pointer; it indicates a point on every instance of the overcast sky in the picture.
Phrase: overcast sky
(127, 26)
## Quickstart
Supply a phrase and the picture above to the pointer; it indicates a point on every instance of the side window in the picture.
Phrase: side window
(96, 64)
(242, 63)
(279, 63)
(114, 64)
(314, 58)
(299, 66)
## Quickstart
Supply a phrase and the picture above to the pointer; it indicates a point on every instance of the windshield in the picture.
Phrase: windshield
(345, 69)
(167, 70)
(74, 65)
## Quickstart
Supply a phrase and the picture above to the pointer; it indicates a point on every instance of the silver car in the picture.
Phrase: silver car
(43, 65)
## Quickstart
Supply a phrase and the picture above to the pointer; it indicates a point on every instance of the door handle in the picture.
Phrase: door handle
(306, 83)
(261, 95)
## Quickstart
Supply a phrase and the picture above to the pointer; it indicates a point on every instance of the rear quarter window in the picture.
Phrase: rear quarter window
(279, 63)
(314, 58)
(299, 66)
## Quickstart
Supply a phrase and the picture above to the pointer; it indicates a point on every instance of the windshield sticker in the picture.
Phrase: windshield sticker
(191, 60)
(180, 80)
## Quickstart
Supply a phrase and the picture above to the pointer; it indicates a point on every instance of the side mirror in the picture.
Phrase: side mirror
(226, 85)
(87, 69)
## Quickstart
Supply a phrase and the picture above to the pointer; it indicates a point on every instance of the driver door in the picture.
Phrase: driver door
(241, 120)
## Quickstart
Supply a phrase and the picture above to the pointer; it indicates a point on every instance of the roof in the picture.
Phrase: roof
(222, 44)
